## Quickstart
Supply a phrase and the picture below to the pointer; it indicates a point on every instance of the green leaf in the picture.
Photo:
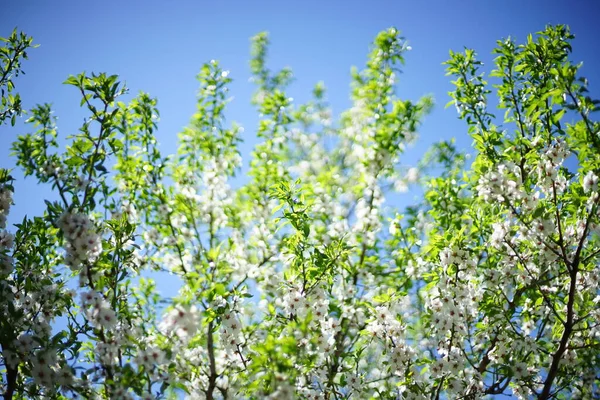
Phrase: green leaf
(557, 116)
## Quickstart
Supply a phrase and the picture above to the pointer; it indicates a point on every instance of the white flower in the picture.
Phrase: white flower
(294, 302)
(5, 199)
(90, 298)
(181, 320)
(98, 310)
(108, 352)
(5, 202)
(150, 357)
(130, 211)
(520, 370)
(80, 183)
(590, 182)
(106, 318)
(412, 175)
(83, 243)
(64, 376)
(400, 186)
(42, 374)
(231, 328)
(500, 231)
(6, 240)
(6, 265)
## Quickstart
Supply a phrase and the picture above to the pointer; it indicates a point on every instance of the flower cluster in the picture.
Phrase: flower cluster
(294, 302)
(216, 197)
(181, 320)
(549, 177)
(6, 238)
(6, 264)
(231, 330)
(502, 182)
(368, 215)
(98, 310)
(84, 245)
(47, 366)
(388, 329)
(149, 357)
(590, 182)
(5, 202)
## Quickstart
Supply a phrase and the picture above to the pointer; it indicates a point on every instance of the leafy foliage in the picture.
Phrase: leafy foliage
(11, 53)
(301, 283)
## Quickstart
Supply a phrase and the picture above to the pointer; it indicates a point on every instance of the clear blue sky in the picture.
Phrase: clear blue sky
(159, 46)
